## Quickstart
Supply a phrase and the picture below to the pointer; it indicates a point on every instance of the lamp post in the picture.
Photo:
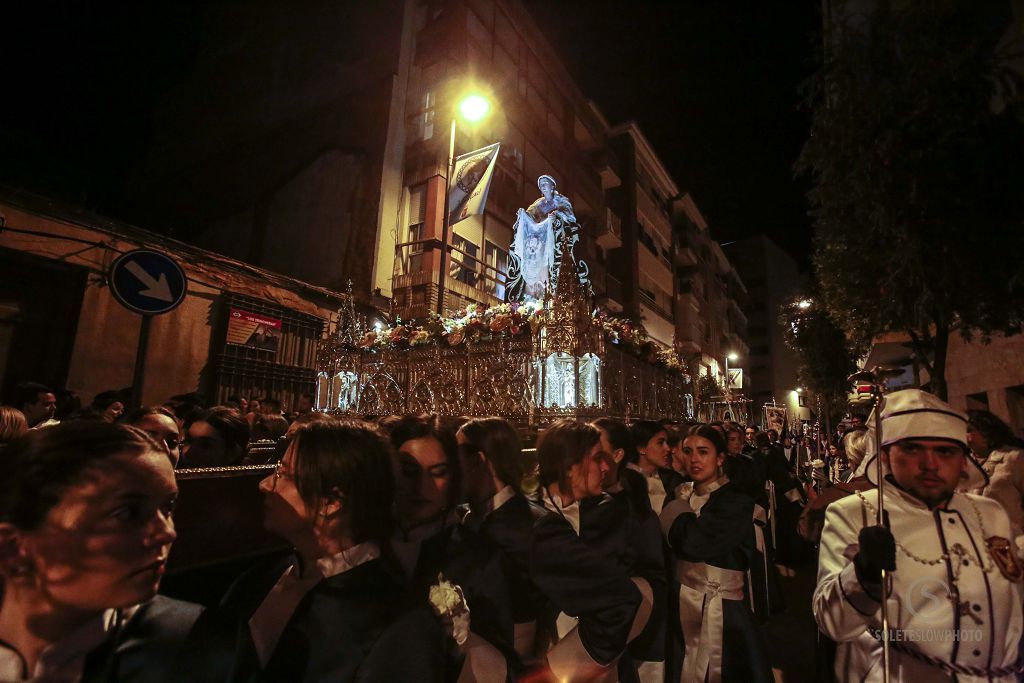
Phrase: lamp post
(728, 382)
(728, 385)
(473, 108)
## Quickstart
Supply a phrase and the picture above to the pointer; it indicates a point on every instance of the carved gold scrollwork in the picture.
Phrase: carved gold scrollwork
(381, 394)
(437, 382)
(614, 383)
(500, 385)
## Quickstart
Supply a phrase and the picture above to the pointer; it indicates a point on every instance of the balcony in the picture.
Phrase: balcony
(685, 255)
(444, 38)
(604, 161)
(647, 241)
(736, 312)
(423, 159)
(687, 301)
(609, 235)
(613, 290)
(735, 344)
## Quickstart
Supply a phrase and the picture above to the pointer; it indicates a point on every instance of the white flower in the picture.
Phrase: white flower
(445, 597)
(449, 603)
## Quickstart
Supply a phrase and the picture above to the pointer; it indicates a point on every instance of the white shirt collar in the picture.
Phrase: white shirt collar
(636, 468)
(571, 512)
(501, 497)
(351, 558)
(62, 661)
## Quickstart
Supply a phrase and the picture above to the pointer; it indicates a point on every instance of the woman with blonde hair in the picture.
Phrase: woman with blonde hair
(12, 424)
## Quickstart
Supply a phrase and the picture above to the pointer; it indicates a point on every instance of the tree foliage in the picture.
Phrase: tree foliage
(825, 357)
(918, 179)
(708, 388)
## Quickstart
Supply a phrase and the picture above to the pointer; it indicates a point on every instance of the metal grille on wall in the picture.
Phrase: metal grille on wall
(268, 351)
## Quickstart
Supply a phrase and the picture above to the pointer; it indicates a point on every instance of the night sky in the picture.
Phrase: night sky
(714, 85)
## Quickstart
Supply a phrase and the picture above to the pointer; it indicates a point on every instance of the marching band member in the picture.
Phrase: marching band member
(991, 440)
(954, 606)
(709, 531)
(812, 519)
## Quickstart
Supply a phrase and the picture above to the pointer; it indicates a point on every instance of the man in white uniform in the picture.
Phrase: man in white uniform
(954, 604)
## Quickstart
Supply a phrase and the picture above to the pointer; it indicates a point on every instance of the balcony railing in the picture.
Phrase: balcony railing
(609, 235)
(463, 268)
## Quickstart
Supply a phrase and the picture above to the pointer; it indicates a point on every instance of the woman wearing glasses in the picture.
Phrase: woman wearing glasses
(335, 608)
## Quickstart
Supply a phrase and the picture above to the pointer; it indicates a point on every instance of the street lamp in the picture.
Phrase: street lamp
(473, 107)
(804, 304)
(728, 383)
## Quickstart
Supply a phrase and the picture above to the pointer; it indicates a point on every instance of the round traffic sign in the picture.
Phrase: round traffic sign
(147, 282)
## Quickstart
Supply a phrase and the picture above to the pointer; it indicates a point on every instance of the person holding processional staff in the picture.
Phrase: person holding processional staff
(952, 605)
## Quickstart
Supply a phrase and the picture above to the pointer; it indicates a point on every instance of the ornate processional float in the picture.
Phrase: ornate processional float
(545, 353)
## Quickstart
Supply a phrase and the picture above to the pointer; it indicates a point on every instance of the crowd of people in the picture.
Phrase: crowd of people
(439, 548)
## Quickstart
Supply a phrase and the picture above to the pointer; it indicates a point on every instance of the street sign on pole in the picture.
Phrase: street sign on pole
(150, 283)
(147, 282)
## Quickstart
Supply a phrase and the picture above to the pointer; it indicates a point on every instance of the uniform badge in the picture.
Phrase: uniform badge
(1005, 558)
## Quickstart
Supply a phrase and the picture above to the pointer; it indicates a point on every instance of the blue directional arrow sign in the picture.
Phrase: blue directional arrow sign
(147, 282)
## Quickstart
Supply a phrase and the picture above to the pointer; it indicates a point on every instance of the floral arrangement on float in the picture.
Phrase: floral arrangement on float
(473, 324)
(633, 337)
(477, 323)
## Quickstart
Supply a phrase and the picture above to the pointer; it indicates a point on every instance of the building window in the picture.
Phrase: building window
(425, 118)
(645, 237)
(464, 261)
(978, 401)
(801, 401)
(497, 267)
(412, 250)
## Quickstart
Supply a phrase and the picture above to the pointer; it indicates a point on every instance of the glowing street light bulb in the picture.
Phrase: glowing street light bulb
(804, 304)
(733, 356)
(474, 107)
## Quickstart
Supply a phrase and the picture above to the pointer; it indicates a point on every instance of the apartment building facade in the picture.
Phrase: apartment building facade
(710, 295)
(773, 279)
(318, 144)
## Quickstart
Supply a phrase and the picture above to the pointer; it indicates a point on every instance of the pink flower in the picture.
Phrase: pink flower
(501, 323)
(368, 339)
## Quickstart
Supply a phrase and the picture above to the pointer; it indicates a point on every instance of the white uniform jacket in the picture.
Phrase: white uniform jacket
(950, 597)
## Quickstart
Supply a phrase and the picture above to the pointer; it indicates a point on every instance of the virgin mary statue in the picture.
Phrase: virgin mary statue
(540, 233)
